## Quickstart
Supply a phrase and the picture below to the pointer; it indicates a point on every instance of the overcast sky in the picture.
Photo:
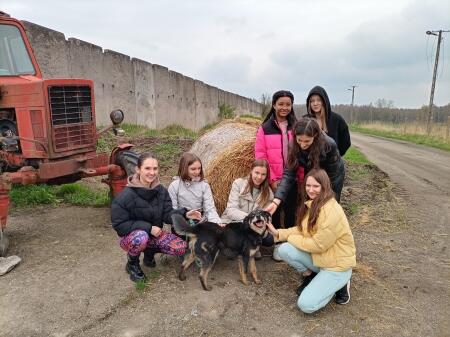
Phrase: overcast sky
(251, 47)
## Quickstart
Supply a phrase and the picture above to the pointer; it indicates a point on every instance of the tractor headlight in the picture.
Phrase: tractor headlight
(116, 116)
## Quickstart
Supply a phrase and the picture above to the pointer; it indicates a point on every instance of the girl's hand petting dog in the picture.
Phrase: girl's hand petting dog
(273, 206)
(272, 230)
(194, 214)
(156, 231)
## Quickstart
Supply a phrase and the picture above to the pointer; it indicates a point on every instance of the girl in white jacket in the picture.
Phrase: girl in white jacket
(191, 191)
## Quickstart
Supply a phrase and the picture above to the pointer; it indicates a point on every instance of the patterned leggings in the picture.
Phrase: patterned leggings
(167, 243)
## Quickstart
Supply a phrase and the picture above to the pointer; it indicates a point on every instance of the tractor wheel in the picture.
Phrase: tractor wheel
(127, 160)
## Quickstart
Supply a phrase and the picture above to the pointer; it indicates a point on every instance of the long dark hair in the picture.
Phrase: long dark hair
(309, 127)
(282, 93)
(186, 160)
(325, 195)
(264, 196)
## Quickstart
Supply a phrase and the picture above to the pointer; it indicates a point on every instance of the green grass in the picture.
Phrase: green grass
(355, 156)
(166, 153)
(251, 117)
(413, 138)
(226, 111)
(72, 194)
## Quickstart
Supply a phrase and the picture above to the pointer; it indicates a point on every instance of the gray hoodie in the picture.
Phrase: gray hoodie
(194, 195)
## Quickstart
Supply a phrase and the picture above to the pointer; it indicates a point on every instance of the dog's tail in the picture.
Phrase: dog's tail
(181, 226)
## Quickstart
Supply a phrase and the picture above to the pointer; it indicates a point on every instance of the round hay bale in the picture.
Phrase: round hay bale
(232, 163)
(212, 143)
(227, 152)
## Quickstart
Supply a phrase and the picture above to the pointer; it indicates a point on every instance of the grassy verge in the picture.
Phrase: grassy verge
(431, 141)
(72, 194)
(355, 156)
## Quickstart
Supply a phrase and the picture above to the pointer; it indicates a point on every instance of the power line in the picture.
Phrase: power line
(437, 33)
(353, 101)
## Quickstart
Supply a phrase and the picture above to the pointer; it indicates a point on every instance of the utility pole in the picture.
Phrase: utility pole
(353, 101)
(437, 33)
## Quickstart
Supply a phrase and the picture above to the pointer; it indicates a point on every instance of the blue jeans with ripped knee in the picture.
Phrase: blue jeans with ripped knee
(322, 288)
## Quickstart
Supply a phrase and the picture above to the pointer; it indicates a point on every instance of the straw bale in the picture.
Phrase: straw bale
(232, 163)
(227, 152)
(212, 143)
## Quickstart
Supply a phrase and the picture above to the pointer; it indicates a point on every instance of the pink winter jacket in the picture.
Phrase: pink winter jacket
(268, 146)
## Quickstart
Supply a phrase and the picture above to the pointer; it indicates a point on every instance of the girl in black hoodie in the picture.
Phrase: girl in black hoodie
(319, 107)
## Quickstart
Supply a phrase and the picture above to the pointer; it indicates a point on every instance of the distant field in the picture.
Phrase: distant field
(412, 132)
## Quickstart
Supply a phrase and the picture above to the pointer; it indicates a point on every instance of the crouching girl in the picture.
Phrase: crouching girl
(320, 247)
(138, 214)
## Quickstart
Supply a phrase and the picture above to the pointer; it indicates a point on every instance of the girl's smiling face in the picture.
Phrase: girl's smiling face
(148, 171)
(283, 107)
(194, 171)
(312, 187)
(304, 141)
(259, 174)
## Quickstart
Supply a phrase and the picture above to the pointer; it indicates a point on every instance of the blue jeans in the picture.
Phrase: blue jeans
(322, 288)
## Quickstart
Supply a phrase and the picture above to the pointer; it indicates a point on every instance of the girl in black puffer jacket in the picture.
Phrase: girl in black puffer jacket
(138, 214)
(311, 148)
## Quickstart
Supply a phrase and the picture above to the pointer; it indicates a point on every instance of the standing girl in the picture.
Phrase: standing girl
(191, 191)
(320, 247)
(312, 149)
(319, 107)
(271, 144)
(138, 214)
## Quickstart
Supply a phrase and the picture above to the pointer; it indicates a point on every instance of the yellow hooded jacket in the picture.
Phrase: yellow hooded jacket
(331, 244)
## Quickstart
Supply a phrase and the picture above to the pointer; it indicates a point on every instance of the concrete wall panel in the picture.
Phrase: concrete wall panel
(145, 96)
(149, 94)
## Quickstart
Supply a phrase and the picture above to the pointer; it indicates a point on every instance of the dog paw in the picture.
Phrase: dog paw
(245, 282)
(258, 281)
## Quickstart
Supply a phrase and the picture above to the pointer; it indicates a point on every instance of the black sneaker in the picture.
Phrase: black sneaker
(306, 280)
(342, 296)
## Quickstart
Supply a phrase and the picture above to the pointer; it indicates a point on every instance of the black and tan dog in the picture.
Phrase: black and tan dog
(237, 239)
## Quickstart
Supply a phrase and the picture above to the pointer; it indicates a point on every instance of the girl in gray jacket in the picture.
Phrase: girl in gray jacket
(191, 191)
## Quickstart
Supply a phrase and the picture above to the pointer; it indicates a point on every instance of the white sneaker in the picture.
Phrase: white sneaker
(275, 255)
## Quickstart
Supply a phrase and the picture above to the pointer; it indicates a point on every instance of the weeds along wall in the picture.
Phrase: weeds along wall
(149, 94)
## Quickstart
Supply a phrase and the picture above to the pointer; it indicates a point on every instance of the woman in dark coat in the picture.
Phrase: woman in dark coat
(312, 148)
(319, 107)
(138, 214)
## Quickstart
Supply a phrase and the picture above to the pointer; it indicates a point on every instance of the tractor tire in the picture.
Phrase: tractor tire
(127, 160)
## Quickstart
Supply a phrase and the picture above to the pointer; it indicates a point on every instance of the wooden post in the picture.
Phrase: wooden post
(447, 133)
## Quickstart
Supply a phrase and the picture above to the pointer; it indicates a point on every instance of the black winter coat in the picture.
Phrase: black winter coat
(336, 125)
(330, 161)
(141, 208)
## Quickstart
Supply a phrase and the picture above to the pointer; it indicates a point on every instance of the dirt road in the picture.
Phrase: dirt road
(72, 282)
(424, 175)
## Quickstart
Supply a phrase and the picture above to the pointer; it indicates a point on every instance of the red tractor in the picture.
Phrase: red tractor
(47, 126)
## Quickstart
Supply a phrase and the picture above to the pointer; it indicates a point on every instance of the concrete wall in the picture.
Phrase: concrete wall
(149, 94)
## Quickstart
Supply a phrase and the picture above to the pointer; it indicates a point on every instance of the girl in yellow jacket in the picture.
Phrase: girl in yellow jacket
(321, 246)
